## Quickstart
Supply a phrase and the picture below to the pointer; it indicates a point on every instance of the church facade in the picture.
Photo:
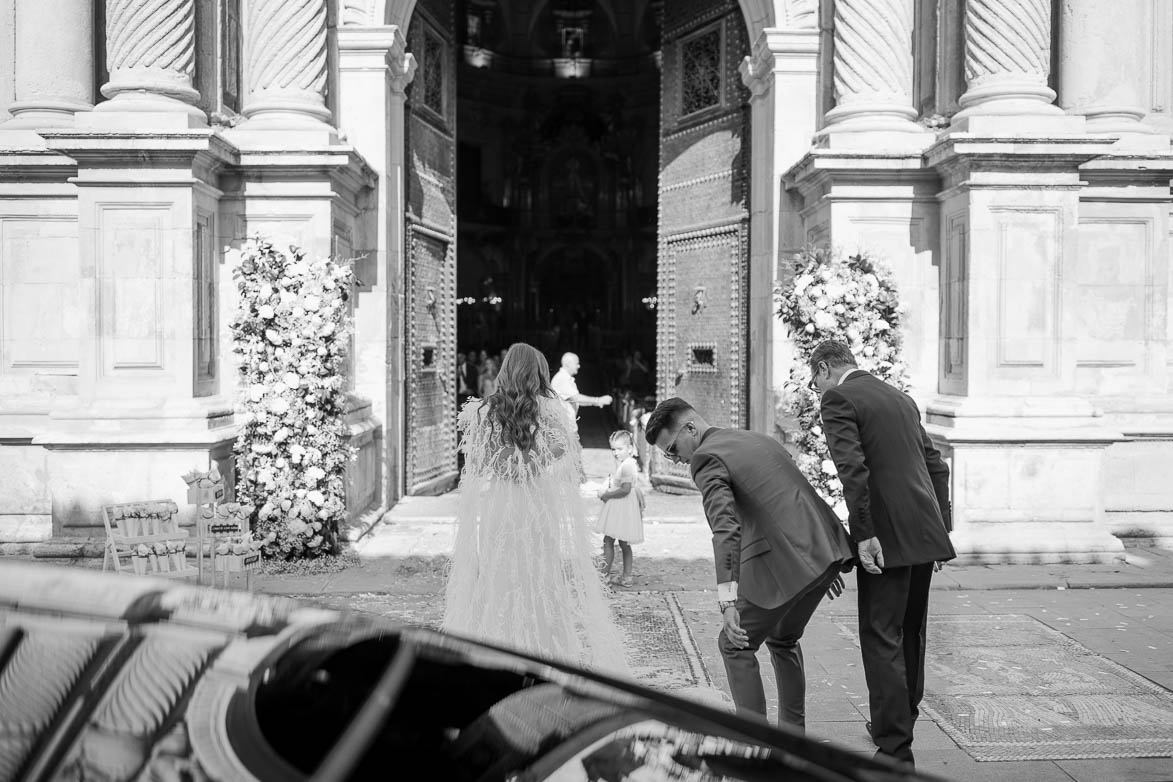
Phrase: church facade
(1010, 161)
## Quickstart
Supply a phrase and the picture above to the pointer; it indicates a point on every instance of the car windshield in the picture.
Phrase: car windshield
(457, 711)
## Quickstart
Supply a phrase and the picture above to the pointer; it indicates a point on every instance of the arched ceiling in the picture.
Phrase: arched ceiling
(759, 14)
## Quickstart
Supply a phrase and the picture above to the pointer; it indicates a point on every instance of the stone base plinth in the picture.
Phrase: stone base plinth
(1035, 543)
(83, 477)
(1026, 488)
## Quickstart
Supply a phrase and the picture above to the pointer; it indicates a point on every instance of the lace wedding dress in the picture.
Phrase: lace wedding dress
(521, 573)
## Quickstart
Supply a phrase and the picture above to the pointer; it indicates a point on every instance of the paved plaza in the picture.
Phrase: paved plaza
(1035, 672)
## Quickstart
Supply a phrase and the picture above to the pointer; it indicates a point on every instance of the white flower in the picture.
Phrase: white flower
(279, 405)
(315, 474)
(262, 447)
(297, 269)
(297, 526)
(828, 467)
(266, 311)
(274, 336)
(291, 380)
(809, 328)
(801, 283)
(825, 321)
(879, 324)
(257, 392)
(311, 303)
(316, 497)
(841, 510)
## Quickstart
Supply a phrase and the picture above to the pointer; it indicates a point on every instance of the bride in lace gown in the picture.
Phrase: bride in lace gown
(521, 573)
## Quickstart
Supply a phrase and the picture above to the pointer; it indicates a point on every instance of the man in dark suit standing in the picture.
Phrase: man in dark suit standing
(897, 491)
(778, 549)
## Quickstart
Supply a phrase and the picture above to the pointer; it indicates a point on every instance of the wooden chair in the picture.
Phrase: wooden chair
(148, 534)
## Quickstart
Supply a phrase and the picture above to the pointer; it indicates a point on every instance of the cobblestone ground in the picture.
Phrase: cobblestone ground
(1062, 665)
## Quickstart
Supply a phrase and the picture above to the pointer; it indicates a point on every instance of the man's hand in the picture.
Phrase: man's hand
(732, 620)
(938, 566)
(604, 400)
(836, 588)
(871, 556)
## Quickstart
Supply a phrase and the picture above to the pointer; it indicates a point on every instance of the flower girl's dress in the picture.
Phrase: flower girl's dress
(522, 575)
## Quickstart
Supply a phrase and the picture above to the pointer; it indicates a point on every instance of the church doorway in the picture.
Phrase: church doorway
(577, 179)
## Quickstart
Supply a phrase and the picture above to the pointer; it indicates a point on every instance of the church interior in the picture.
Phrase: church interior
(557, 152)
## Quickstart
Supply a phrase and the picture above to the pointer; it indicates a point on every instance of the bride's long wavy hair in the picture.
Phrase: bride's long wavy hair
(513, 407)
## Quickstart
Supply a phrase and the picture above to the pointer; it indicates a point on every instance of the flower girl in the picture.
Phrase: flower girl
(623, 504)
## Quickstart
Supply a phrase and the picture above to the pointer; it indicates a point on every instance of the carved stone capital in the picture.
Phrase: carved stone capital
(150, 51)
(360, 13)
(403, 69)
(800, 14)
(778, 51)
(285, 62)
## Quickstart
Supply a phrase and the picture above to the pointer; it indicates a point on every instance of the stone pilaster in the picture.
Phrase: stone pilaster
(872, 80)
(150, 53)
(285, 63)
(1103, 63)
(782, 76)
(1007, 65)
(54, 61)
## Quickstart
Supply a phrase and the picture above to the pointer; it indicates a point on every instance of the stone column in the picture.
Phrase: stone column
(150, 52)
(54, 62)
(1007, 62)
(1103, 62)
(285, 63)
(872, 66)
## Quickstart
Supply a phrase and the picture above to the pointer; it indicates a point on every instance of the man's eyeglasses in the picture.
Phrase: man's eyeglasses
(813, 383)
(670, 451)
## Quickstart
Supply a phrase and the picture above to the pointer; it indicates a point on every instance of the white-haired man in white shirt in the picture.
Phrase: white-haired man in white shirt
(566, 388)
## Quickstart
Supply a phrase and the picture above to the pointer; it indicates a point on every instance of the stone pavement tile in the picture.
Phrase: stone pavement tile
(1119, 769)
(284, 585)
(387, 575)
(848, 734)
(960, 767)
(995, 577)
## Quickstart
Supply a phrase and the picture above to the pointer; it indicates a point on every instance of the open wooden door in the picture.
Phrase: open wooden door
(703, 288)
(430, 248)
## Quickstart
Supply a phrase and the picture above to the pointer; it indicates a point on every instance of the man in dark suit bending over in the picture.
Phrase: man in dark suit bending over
(897, 491)
(778, 549)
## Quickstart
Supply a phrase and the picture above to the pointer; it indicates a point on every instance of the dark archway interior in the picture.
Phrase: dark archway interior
(557, 171)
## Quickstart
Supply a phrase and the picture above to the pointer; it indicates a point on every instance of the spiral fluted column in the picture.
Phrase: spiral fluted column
(1007, 58)
(1103, 64)
(150, 52)
(873, 67)
(54, 62)
(285, 62)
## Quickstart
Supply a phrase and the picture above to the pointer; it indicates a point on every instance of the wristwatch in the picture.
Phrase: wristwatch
(725, 605)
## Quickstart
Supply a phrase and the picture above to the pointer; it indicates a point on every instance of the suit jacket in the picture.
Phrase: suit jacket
(772, 533)
(894, 481)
